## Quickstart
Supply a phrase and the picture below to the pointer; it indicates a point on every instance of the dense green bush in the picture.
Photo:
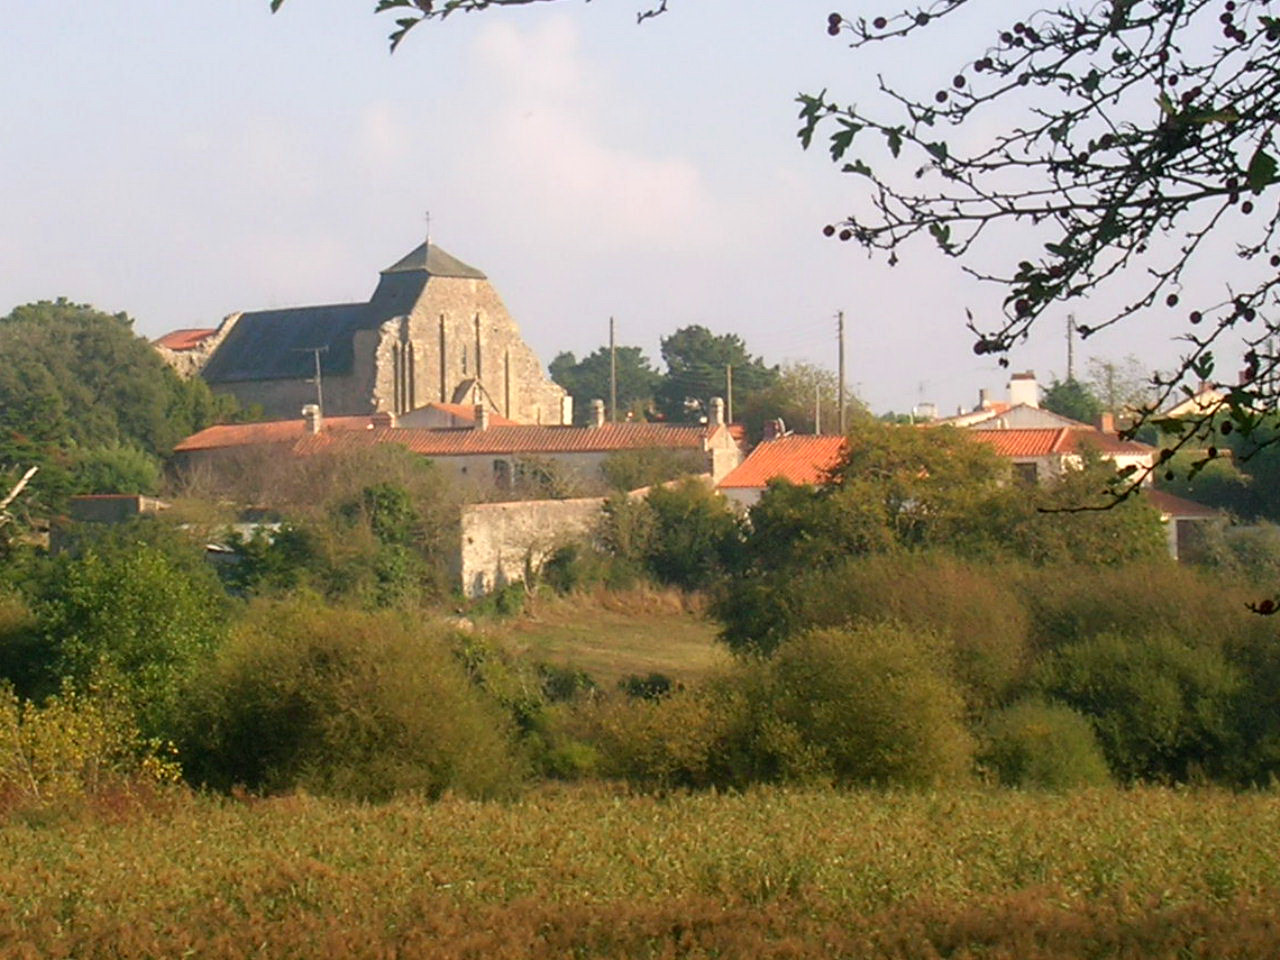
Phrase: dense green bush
(877, 701)
(1044, 745)
(696, 535)
(866, 705)
(345, 702)
(1163, 707)
(135, 606)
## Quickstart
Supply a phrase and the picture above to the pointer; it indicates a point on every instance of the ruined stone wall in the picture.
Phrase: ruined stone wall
(188, 363)
(501, 543)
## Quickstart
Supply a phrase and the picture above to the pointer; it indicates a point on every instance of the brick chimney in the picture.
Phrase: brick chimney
(597, 414)
(482, 417)
(312, 418)
(383, 420)
(1107, 422)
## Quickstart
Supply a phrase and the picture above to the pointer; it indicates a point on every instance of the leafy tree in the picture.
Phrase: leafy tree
(800, 395)
(588, 379)
(135, 606)
(77, 379)
(697, 361)
(1073, 399)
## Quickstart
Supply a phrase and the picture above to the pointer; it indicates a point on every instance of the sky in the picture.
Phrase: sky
(184, 160)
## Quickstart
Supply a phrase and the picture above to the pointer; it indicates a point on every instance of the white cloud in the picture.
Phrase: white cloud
(549, 167)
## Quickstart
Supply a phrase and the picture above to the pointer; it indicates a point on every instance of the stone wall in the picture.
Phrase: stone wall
(459, 330)
(502, 543)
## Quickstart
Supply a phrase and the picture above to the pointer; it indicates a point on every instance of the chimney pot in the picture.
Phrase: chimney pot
(482, 417)
(312, 418)
(597, 413)
(984, 399)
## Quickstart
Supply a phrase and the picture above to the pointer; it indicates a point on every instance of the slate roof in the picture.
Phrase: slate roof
(276, 344)
(185, 339)
(435, 262)
(804, 460)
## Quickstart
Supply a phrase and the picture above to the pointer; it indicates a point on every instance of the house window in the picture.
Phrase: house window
(1025, 473)
(502, 474)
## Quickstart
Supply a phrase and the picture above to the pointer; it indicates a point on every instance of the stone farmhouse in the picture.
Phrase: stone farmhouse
(434, 331)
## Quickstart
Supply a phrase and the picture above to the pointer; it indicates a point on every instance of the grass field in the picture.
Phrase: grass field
(611, 636)
(1143, 873)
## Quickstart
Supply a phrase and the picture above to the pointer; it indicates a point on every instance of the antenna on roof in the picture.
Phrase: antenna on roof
(316, 351)
(428, 247)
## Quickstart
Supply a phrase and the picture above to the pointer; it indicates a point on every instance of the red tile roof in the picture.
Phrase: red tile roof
(1045, 441)
(465, 411)
(185, 339)
(801, 459)
(500, 440)
(457, 441)
(271, 431)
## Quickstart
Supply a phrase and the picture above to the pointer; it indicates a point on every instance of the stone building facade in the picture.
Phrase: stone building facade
(434, 331)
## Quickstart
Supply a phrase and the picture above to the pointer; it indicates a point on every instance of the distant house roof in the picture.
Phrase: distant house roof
(1179, 507)
(532, 440)
(185, 339)
(467, 411)
(435, 262)
(498, 439)
(1006, 416)
(804, 460)
(226, 435)
(1046, 441)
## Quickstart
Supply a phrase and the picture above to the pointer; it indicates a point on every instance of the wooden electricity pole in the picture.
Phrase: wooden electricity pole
(613, 374)
(728, 391)
(840, 386)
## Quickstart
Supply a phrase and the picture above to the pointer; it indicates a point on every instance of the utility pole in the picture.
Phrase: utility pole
(1071, 347)
(840, 385)
(613, 374)
(728, 392)
(817, 407)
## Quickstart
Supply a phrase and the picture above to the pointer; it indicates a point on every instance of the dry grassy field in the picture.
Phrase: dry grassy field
(588, 873)
(614, 635)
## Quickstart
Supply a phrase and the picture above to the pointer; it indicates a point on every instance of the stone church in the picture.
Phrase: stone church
(435, 331)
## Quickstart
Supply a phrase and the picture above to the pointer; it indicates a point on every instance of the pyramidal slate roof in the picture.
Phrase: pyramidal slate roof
(432, 260)
(278, 344)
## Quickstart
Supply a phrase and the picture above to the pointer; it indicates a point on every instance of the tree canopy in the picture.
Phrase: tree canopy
(588, 379)
(698, 363)
(89, 401)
